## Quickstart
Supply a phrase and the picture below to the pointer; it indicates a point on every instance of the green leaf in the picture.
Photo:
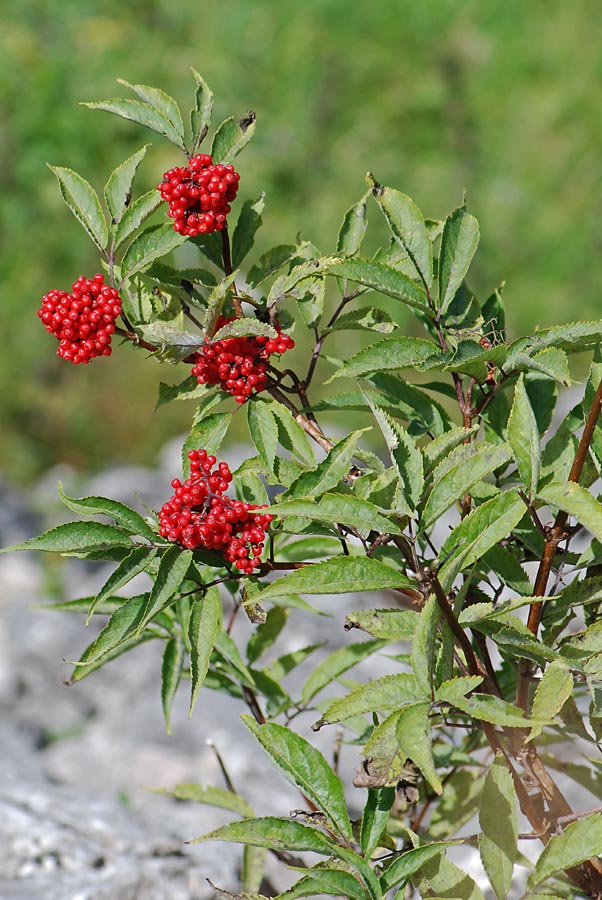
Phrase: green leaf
(340, 575)
(134, 563)
(422, 656)
(205, 618)
(458, 246)
(389, 354)
(209, 796)
(118, 629)
(498, 817)
(407, 225)
(274, 833)
(337, 509)
(152, 244)
(405, 456)
(135, 214)
(270, 262)
(472, 465)
(230, 138)
(338, 662)
(208, 434)
(162, 102)
(478, 532)
(266, 634)
(120, 513)
(143, 114)
(554, 689)
(579, 841)
(325, 881)
(375, 818)
(381, 278)
(441, 878)
(366, 318)
(304, 767)
(173, 343)
(387, 624)
(249, 221)
(523, 437)
(384, 763)
(253, 867)
(457, 688)
(327, 474)
(441, 446)
(292, 436)
(487, 708)
(117, 192)
(410, 861)
(353, 228)
(200, 116)
(170, 574)
(387, 693)
(215, 302)
(414, 737)
(189, 389)
(82, 200)
(75, 538)
(577, 502)
(264, 431)
(171, 673)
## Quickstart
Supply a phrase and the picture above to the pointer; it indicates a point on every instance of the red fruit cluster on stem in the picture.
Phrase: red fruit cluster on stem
(199, 514)
(199, 195)
(82, 321)
(239, 364)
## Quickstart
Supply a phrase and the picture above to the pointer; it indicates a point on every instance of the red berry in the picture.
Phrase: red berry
(82, 321)
(199, 194)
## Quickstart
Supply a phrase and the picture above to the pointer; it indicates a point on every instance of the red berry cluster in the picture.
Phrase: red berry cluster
(239, 364)
(200, 515)
(199, 195)
(82, 321)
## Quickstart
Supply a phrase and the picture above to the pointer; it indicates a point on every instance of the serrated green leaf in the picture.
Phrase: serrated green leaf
(280, 668)
(266, 634)
(410, 861)
(249, 221)
(441, 446)
(292, 436)
(117, 192)
(82, 671)
(189, 389)
(353, 228)
(554, 689)
(579, 841)
(274, 833)
(375, 818)
(407, 225)
(411, 403)
(253, 868)
(366, 318)
(231, 137)
(387, 624)
(135, 214)
(82, 200)
(337, 509)
(487, 708)
(389, 354)
(134, 563)
(341, 575)
(422, 655)
(384, 763)
(576, 501)
(439, 878)
(200, 116)
(483, 528)
(327, 474)
(270, 262)
(209, 796)
(325, 881)
(155, 242)
(208, 434)
(171, 673)
(170, 574)
(387, 693)
(304, 767)
(405, 456)
(471, 466)
(414, 737)
(215, 302)
(523, 437)
(456, 688)
(338, 662)
(459, 242)
(118, 629)
(381, 278)
(205, 617)
(162, 102)
(143, 114)
(498, 817)
(75, 538)
(469, 358)
(264, 431)
(121, 514)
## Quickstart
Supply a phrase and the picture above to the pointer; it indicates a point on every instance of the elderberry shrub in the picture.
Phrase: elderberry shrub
(463, 504)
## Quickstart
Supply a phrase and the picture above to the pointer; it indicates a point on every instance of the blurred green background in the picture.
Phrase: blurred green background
(500, 97)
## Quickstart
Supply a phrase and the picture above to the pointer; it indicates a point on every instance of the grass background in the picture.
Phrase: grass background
(500, 97)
